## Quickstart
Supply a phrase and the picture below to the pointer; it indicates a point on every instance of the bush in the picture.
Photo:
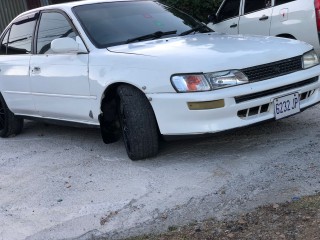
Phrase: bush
(197, 8)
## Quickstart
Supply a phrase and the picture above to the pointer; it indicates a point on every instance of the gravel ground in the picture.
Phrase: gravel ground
(64, 183)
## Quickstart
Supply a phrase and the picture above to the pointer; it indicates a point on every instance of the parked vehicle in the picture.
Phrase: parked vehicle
(145, 69)
(295, 19)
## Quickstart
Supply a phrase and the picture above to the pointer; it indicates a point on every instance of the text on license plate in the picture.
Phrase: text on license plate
(286, 105)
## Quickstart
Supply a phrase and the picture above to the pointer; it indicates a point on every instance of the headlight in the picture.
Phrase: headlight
(190, 83)
(208, 81)
(226, 79)
(310, 59)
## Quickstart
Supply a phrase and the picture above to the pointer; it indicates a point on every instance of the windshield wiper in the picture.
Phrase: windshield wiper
(154, 35)
(195, 29)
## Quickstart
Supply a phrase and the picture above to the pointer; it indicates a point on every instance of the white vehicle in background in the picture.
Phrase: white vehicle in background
(144, 69)
(295, 19)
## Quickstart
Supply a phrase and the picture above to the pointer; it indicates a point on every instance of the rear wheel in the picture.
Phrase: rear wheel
(9, 123)
(138, 123)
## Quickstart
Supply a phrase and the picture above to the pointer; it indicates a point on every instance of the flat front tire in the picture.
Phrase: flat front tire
(138, 123)
(9, 123)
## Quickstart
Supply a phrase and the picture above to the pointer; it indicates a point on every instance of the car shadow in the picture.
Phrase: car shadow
(232, 144)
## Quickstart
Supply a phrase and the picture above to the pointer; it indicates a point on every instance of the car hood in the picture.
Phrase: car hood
(214, 52)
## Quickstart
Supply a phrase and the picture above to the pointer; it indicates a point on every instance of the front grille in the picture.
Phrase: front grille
(272, 70)
(307, 95)
(252, 96)
(257, 111)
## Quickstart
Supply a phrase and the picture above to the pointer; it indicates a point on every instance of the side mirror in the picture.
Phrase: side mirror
(213, 18)
(67, 45)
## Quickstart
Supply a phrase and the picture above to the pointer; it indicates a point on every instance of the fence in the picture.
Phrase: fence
(9, 9)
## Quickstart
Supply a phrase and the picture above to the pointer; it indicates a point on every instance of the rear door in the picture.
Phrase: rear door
(15, 54)
(228, 17)
(256, 17)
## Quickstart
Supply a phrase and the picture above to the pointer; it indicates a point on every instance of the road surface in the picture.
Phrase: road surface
(65, 183)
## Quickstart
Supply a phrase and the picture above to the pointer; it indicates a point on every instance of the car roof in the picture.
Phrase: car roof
(69, 5)
(84, 2)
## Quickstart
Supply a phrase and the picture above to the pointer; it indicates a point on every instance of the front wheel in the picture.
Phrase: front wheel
(138, 124)
(9, 123)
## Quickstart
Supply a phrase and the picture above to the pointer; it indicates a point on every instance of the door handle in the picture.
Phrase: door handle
(263, 18)
(36, 69)
(234, 25)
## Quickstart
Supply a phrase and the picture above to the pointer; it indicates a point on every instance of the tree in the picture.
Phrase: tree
(197, 8)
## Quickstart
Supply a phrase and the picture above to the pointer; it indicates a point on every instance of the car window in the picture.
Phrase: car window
(4, 43)
(229, 9)
(279, 2)
(113, 23)
(52, 25)
(20, 37)
(256, 5)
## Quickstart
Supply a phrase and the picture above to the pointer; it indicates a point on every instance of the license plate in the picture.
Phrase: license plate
(286, 105)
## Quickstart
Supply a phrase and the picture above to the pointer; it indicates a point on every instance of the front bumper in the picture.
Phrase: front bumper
(175, 118)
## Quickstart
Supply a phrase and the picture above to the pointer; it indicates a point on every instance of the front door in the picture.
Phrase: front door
(228, 17)
(59, 82)
(256, 18)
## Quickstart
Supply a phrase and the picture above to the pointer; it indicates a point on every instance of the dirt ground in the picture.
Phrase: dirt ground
(296, 220)
(58, 182)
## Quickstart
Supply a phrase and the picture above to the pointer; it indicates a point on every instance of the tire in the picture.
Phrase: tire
(9, 124)
(138, 124)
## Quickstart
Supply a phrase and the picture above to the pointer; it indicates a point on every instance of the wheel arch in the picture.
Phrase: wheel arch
(286, 35)
(109, 116)
(110, 93)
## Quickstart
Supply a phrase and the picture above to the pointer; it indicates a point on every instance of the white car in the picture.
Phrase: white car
(295, 19)
(146, 70)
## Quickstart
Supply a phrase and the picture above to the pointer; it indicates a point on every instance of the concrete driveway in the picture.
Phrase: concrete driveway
(64, 183)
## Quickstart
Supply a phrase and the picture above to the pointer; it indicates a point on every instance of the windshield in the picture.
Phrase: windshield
(114, 23)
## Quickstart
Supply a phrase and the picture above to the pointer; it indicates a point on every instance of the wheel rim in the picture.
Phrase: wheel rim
(125, 129)
(2, 116)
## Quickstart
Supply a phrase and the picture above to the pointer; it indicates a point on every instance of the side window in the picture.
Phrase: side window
(279, 2)
(52, 25)
(229, 9)
(256, 5)
(20, 37)
(4, 43)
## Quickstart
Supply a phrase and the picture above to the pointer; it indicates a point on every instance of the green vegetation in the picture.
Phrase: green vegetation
(197, 8)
